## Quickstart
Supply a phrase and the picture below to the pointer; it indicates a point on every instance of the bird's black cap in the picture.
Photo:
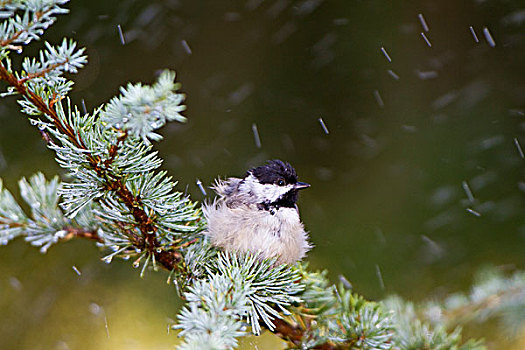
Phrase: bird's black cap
(275, 171)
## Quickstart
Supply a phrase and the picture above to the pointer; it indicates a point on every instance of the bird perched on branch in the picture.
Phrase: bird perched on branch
(259, 214)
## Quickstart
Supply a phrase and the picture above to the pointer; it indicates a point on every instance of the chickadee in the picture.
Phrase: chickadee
(259, 214)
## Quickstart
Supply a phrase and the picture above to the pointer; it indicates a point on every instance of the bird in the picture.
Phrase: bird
(258, 214)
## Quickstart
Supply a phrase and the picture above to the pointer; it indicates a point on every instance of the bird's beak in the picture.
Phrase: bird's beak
(301, 185)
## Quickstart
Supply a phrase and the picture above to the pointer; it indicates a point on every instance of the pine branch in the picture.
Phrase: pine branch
(38, 15)
(167, 258)
(42, 106)
(46, 223)
(492, 295)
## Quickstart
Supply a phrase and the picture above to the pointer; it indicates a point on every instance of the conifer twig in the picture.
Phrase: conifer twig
(168, 259)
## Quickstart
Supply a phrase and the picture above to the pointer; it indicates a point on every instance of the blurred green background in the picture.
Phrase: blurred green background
(389, 207)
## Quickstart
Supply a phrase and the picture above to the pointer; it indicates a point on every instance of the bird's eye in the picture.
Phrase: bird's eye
(280, 182)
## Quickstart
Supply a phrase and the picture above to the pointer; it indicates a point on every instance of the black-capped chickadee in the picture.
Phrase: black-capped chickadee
(259, 214)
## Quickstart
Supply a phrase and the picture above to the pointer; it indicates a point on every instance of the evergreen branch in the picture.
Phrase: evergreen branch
(413, 333)
(53, 62)
(142, 109)
(492, 295)
(43, 72)
(69, 231)
(168, 258)
(46, 223)
(238, 289)
(39, 103)
(38, 16)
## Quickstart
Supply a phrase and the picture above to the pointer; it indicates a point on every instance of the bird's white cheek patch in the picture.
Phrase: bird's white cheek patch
(272, 193)
(264, 192)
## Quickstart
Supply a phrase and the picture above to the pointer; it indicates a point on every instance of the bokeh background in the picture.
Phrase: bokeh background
(418, 184)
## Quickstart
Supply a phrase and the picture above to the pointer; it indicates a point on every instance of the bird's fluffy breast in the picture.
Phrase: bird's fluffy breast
(247, 229)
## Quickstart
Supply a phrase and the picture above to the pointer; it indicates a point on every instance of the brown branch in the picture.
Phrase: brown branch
(42, 72)
(295, 333)
(8, 41)
(73, 232)
(290, 332)
(114, 148)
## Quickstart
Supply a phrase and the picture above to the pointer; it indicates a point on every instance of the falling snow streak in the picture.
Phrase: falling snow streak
(426, 39)
(121, 35)
(489, 37)
(386, 54)
(425, 75)
(84, 109)
(201, 188)
(393, 74)
(473, 212)
(98, 310)
(423, 22)
(15, 283)
(323, 125)
(518, 146)
(186, 47)
(106, 324)
(256, 136)
(380, 277)
(468, 192)
(434, 247)
(378, 99)
(473, 32)
(345, 282)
